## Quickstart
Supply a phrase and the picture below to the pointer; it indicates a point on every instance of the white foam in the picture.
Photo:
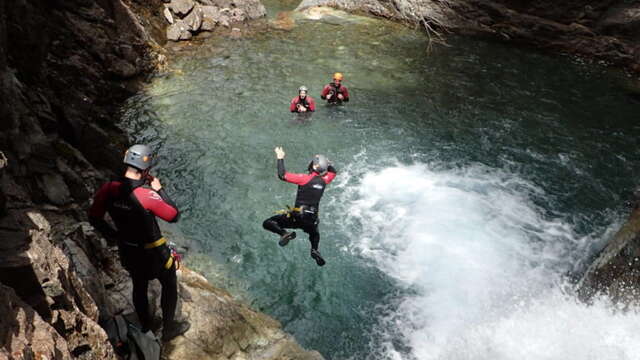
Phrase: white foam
(485, 267)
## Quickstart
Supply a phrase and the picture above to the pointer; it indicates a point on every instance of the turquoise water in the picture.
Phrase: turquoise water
(474, 178)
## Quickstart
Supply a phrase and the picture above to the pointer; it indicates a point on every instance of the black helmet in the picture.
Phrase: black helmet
(320, 164)
(139, 156)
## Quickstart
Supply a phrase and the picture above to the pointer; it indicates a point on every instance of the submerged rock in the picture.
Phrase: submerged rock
(330, 16)
(283, 21)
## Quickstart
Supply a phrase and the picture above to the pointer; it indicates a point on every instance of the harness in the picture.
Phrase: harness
(174, 257)
(299, 211)
(303, 102)
(335, 90)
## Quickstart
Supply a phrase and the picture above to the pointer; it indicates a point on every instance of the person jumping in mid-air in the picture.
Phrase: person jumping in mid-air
(335, 92)
(302, 103)
(304, 214)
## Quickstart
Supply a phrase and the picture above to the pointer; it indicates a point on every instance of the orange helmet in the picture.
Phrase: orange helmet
(338, 76)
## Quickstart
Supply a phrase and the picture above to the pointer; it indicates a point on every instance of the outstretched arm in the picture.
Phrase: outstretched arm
(299, 179)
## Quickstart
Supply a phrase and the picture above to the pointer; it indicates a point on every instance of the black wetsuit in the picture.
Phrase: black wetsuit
(143, 251)
(310, 190)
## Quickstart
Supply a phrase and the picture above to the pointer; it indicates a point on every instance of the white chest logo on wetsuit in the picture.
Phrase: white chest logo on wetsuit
(318, 187)
(154, 195)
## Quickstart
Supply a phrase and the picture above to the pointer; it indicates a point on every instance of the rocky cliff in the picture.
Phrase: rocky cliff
(601, 30)
(65, 66)
(615, 272)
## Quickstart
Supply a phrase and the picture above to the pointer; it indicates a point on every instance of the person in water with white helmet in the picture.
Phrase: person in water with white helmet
(302, 103)
(304, 214)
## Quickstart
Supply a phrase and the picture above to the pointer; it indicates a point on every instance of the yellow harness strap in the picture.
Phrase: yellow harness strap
(289, 210)
(156, 243)
(169, 262)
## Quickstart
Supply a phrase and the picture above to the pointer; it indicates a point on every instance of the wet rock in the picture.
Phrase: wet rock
(210, 16)
(622, 19)
(181, 7)
(616, 270)
(178, 31)
(122, 68)
(194, 19)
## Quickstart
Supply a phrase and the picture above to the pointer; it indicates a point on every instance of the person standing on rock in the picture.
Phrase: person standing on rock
(134, 202)
(304, 214)
(335, 92)
(302, 103)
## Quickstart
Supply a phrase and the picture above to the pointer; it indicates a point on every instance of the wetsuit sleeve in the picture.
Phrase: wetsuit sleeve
(154, 202)
(294, 103)
(345, 93)
(312, 104)
(165, 197)
(281, 170)
(97, 211)
(298, 179)
(330, 175)
(325, 92)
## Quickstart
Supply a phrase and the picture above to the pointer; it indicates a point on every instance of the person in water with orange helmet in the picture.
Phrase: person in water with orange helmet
(302, 103)
(335, 92)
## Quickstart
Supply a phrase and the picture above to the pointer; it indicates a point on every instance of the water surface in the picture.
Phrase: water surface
(473, 179)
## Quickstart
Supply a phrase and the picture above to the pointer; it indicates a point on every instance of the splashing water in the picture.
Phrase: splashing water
(485, 268)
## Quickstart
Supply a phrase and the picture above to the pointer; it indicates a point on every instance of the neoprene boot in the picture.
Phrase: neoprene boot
(315, 254)
(284, 239)
(174, 329)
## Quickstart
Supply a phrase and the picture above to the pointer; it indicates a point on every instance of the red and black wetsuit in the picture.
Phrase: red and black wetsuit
(133, 208)
(307, 102)
(334, 90)
(310, 190)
